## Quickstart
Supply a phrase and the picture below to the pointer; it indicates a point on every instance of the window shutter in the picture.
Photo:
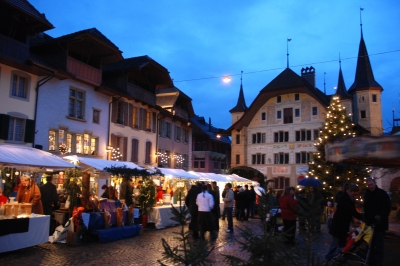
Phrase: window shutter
(126, 114)
(125, 148)
(4, 122)
(114, 141)
(134, 154)
(154, 122)
(141, 119)
(130, 115)
(114, 113)
(29, 131)
(148, 150)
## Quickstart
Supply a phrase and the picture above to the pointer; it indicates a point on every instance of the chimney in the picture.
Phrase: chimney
(308, 74)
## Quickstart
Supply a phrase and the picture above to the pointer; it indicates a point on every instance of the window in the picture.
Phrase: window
(147, 158)
(200, 146)
(216, 166)
(303, 135)
(258, 158)
(296, 97)
(185, 135)
(196, 164)
(19, 86)
(69, 142)
(279, 114)
(79, 142)
(16, 129)
(76, 103)
(120, 144)
(177, 133)
(316, 134)
(202, 164)
(135, 151)
(297, 112)
(61, 136)
(237, 138)
(94, 146)
(363, 114)
(86, 144)
(263, 116)
(288, 115)
(96, 116)
(302, 157)
(168, 130)
(281, 158)
(258, 138)
(164, 158)
(281, 182)
(185, 161)
(148, 121)
(278, 99)
(281, 136)
(315, 110)
(134, 116)
(237, 158)
(374, 98)
(52, 140)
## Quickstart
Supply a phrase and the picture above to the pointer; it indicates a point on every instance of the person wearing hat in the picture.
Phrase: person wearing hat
(29, 192)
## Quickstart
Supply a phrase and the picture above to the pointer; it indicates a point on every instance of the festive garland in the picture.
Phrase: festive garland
(63, 148)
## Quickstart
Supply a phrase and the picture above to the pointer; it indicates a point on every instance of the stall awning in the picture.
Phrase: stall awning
(23, 155)
(211, 176)
(179, 173)
(100, 164)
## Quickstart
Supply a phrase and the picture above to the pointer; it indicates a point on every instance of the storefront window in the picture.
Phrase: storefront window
(69, 142)
(86, 144)
(93, 146)
(79, 142)
(52, 140)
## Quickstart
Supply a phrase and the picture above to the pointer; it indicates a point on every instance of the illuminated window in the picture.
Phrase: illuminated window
(86, 144)
(69, 142)
(52, 140)
(79, 143)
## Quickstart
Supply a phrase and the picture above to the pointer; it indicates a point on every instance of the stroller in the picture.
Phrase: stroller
(359, 249)
(274, 221)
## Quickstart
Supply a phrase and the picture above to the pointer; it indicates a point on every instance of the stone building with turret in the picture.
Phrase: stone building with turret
(276, 133)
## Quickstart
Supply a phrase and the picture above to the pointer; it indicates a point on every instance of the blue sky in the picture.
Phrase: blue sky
(200, 41)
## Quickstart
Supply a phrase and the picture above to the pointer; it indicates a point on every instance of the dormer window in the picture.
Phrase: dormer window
(278, 99)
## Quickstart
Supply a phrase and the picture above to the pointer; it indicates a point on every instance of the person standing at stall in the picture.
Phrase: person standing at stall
(377, 206)
(190, 202)
(287, 204)
(3, 198)
(29, 192)
(49, 195)
(228, 205)
(205, 203)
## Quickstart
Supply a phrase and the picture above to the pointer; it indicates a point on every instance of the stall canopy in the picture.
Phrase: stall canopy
(211, 176)
(179, 173)
(100, 164)
(11, 155)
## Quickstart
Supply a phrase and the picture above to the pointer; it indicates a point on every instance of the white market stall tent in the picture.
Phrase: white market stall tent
(14, 155)
(177, 173)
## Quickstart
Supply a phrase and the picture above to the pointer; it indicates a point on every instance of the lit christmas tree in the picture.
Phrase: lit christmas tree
(337, 126)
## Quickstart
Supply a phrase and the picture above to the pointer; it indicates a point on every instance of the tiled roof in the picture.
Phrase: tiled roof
(92, 31)
(364, 75)
(204, 128)
(30, 10)
(286, 82)
(129, 63)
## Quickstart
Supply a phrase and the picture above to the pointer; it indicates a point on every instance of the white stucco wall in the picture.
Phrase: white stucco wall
(53, 112)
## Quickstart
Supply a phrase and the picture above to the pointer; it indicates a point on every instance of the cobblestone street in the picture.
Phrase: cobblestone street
(144, 249)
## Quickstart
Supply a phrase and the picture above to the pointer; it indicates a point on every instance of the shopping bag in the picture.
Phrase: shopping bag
(61, 232)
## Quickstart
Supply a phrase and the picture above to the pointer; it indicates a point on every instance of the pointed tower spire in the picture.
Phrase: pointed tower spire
(341, 90)
(364, 76)
(287, 52)
(241, 103)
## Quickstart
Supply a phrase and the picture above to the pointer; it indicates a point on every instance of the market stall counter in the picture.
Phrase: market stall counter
(26, 232)
(161, 216)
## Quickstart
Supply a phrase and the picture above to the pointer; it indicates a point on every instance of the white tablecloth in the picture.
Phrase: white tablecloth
(161, 216)
(38, 234)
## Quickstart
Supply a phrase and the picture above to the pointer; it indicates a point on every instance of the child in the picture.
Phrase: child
(329, 214)
(351, 239)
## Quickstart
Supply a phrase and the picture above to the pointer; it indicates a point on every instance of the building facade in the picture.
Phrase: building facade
(276, 133)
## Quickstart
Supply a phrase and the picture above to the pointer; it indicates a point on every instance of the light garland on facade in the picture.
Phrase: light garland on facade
(163, 156)
(115, 154)
(63, 148)
(178, 158)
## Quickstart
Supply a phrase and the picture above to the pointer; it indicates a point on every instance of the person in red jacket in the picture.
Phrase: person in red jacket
(287, 204)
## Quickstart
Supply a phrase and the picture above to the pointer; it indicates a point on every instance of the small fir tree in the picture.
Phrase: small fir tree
(337, 126)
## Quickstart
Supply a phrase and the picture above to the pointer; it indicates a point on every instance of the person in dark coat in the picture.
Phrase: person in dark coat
(215, 209)
(190, 202)
(342, 218)
(247, 201)
(49, 195)
(252, 201)
(240, 204)
(377, 206)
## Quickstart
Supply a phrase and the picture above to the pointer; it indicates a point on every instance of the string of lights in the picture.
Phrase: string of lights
(279, 68)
